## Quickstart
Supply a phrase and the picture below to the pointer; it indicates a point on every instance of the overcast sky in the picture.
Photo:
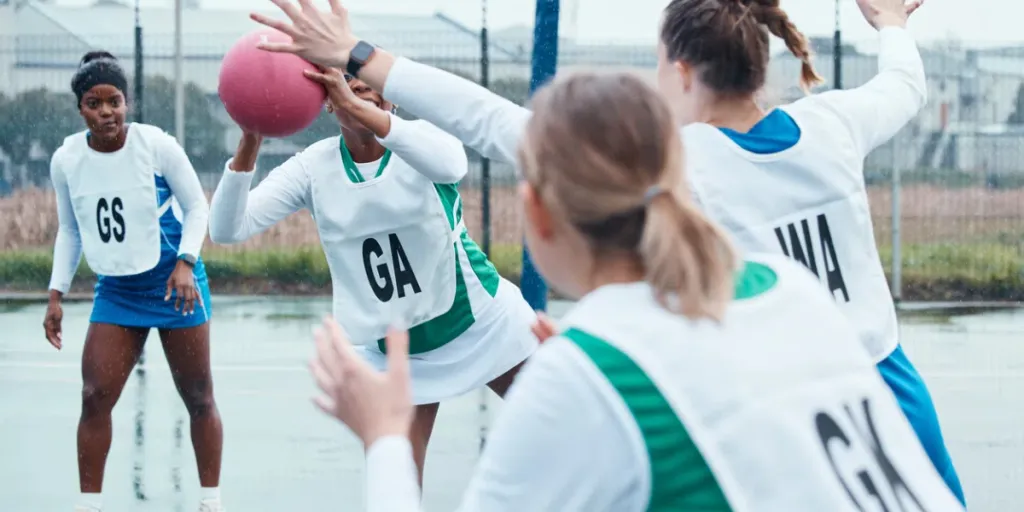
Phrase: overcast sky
(973, 21)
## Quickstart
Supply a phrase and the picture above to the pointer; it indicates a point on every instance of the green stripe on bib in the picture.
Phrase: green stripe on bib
(680, 477)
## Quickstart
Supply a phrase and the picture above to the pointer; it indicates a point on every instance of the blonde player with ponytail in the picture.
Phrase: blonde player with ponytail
(787, 181)
(678, 382)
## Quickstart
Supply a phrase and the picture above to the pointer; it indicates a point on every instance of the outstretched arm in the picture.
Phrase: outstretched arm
(482, 120)
(877, 110)
(236, 214)
(479, 118)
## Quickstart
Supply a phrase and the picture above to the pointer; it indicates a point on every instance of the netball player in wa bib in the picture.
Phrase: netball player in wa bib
(128, 198)
(384, 196)
(789, 181)
(678, 382)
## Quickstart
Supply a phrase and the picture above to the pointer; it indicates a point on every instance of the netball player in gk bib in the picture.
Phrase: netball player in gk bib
(384, 196)
(678, 382)
(789, 181)
(128, 198)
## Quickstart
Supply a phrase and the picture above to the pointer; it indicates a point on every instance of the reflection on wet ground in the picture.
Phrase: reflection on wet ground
(282, 454)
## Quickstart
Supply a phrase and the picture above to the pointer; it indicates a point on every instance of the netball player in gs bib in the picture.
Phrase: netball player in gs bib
(128, 198)
(678, 381)
(789, 181)
(384, 196)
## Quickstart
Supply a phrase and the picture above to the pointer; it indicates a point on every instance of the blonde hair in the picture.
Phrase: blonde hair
(603, 152)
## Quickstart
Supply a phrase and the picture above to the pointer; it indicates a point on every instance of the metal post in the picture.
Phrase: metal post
(138, 476)
(179, 83)
(897, 242)
(545, 60)
(485, 169)
(137, 104)
(485, 199)
(837, 52)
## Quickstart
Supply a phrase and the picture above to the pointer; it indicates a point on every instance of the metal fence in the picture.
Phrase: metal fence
(953, 180)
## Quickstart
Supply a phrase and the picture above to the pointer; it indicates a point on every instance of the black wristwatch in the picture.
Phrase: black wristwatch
(358, 57)
(188, 258)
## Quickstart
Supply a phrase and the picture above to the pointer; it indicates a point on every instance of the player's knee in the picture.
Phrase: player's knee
(97, 400)
(198, 398)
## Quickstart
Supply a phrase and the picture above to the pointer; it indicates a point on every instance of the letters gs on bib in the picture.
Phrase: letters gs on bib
(109, 220)
(383, 281)
(852, 433)
(803, 250)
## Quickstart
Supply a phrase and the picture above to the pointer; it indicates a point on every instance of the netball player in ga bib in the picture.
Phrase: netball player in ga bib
(385, 200)
(128, 198)
(789, 181)
(679, 382)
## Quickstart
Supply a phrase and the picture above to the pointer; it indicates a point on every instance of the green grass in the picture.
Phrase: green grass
(302, 270)
(930, 272)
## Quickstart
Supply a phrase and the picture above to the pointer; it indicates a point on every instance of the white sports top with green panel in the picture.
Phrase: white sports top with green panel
(633, 408)
(395, 241)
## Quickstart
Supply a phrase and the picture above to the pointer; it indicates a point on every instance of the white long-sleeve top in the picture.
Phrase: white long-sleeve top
(238, 213)
(634, 408)
(554, 416)
(554, 448)
(174, 177)
(493, 125)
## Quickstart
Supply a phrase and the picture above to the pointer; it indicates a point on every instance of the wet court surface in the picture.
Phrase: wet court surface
(283, 455)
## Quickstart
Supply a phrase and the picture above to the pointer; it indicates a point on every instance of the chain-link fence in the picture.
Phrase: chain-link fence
(954, 176)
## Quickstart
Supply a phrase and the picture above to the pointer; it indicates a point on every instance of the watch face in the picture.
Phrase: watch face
(362, 51)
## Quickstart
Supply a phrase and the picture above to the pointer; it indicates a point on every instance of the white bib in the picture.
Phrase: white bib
(808, 203)
(389, 245)
(115, 202)
(785, 409)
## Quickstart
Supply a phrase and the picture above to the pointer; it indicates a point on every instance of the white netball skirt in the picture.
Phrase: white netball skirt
(498, 340)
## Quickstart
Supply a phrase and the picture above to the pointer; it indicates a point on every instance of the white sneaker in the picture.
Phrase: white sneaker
(210, 506)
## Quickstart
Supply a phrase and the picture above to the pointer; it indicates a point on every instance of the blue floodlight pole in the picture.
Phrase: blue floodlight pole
(545, 59)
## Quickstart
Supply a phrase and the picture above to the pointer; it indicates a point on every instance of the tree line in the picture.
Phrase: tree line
(36, 121)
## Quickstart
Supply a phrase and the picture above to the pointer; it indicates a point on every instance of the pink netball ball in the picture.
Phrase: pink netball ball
(265, 92)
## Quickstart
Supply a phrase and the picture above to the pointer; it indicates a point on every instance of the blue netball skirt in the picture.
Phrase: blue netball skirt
(916, 402)
(138, 301)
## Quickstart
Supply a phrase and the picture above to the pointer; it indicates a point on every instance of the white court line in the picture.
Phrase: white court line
(217, 368)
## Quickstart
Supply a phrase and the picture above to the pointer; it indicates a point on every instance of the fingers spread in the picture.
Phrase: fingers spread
(323, 378)
(278, 47)
(290, 10)
(325, 404)
(278, 25)
(337, 8)
(317, 77)
(326, 352)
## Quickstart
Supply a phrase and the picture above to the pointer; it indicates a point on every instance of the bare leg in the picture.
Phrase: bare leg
(188, 354)
(501, 384)
(419, 434)
(109, 355)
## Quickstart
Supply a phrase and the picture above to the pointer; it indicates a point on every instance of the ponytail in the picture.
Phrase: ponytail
(688, 260)
(771, 15)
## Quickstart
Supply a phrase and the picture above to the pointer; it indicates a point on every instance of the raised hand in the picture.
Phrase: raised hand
(888, 13)
(371, 403)
(323, 38)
